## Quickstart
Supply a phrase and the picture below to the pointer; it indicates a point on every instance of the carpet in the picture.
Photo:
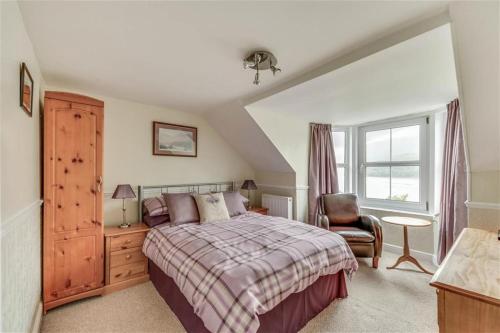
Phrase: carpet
(379, 300)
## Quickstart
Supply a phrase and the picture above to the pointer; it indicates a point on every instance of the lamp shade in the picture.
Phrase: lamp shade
(249, 184)
(123, 191)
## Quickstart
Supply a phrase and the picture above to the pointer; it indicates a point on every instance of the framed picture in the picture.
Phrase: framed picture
(26, 92)
(174, 140)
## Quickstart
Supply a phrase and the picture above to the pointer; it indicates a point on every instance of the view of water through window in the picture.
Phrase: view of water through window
(387, 148)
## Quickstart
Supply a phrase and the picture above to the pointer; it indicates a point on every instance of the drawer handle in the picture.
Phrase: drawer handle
(127, 241)
(128, 256)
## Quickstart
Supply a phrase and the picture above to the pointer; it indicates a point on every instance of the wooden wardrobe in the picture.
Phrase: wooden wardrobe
(73, 215)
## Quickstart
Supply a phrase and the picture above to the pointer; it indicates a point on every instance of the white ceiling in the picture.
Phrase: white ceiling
(415, 76)
(188, 55)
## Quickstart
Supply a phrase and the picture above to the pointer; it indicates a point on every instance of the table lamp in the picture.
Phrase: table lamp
(249, 185)
(123, 192)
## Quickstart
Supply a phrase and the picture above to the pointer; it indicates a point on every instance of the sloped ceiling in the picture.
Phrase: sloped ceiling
(236, 125)
(417, 75)
(188, 55)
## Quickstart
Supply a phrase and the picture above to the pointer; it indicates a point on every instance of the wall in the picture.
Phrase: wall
(20, 175)
(128, 157)
(290, 135)
(475, 29)
(282, 183)
(287, 133)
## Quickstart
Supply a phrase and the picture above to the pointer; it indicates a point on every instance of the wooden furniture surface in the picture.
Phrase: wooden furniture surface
(468, 284)
(126, 265)
(73, 253)
(260, 210)
(405, 222)
(408, 221)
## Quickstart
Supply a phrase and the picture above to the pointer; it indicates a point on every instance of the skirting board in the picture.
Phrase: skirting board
(37, 318)
(419, 255)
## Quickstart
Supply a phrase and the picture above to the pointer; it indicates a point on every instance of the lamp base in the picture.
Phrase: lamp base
(124, 225)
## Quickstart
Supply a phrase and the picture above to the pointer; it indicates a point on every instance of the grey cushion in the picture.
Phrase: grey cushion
(235, 203)
(152, 221)
(182, 208)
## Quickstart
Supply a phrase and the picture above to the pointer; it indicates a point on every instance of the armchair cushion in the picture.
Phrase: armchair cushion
(341, 208)
(372, 224)
(354, 235)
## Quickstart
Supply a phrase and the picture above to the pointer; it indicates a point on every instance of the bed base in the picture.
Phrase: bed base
(287, 317)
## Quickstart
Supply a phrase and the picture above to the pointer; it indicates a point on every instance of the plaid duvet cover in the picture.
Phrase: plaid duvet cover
(231, 271)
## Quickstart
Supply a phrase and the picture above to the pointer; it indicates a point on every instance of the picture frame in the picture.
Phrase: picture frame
(26, 90)
(174, 140)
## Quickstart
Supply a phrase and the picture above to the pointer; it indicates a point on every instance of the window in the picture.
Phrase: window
(341, 147)
(393, 165)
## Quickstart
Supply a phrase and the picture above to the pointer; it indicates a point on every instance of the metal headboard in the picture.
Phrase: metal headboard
(157, 190)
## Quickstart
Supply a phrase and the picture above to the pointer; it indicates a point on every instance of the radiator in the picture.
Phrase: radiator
(278, 205)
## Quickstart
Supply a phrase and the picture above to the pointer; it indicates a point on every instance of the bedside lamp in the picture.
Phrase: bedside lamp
(124, 192)
(249, 185)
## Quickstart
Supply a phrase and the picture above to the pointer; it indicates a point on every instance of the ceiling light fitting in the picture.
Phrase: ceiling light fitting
(261, 60)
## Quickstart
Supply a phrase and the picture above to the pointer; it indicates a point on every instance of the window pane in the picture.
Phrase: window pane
(405, 184)
(378, 182)
(406, 143)
(341, 177)
(339, 146)
(378, 146)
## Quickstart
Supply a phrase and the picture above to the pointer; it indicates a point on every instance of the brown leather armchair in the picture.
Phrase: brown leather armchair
(340, 213)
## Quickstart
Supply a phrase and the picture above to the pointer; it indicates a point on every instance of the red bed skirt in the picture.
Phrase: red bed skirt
(287, 317)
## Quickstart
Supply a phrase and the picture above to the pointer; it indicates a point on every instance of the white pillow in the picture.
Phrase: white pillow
(211, 207)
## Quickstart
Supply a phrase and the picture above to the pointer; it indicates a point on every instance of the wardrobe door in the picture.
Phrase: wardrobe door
(73, 223)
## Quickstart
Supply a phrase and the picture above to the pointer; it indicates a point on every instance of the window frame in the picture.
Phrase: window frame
(347, 156)
(423, 205)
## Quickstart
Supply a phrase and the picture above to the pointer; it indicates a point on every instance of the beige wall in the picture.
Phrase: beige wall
(287, 133)
(282, 183)
(475, 29)
(20, 179)
(128, 155)
(290, 135)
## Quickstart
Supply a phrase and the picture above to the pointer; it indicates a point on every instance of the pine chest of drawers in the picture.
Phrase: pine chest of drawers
(125, 264)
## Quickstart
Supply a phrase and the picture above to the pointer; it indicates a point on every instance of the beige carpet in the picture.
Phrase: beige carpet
(379, 301)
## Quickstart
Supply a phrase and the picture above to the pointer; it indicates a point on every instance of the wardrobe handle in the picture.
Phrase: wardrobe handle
(99, 183)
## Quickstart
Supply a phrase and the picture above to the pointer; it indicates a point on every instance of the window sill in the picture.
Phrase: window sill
(406, 212)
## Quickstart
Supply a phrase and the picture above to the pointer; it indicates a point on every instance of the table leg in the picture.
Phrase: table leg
(406, 254)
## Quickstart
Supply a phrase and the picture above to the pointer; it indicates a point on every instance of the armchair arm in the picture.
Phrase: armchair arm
(324, 222)
(372, 224)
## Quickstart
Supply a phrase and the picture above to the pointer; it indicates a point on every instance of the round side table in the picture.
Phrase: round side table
(407, 222)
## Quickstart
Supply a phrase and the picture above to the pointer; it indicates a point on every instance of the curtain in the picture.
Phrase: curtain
(322, 168)
(453, 212)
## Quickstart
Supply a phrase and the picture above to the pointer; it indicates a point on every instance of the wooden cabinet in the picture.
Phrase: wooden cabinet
(468, 285)
(73, 253)
(126, 265)
(260, 210)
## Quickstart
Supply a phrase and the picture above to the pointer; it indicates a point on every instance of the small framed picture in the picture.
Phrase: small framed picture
(174, 140)
(26, 93)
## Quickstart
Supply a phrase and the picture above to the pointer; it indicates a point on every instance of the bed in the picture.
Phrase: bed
(251, 273)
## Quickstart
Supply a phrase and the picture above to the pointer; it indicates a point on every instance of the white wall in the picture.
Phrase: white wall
(128, 157)
(20, 179)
